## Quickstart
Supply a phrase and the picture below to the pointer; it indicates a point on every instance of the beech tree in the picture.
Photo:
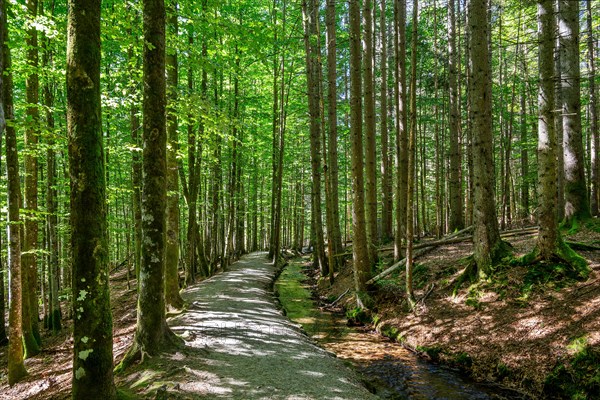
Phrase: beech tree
(92, 319)
(152, 334)
(16, 367)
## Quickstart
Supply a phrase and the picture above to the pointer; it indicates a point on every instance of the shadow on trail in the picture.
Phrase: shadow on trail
(239, 345)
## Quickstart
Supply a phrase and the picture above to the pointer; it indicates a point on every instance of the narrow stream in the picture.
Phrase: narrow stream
(390, 371)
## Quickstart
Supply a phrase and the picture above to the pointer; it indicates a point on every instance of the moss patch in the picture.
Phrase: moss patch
(577, 378)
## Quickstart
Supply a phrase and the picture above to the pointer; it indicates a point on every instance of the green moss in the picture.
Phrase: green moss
(358, 316)
(390, 331)
(577, 378)
(433, 352)
(461, 360)
(501, 371)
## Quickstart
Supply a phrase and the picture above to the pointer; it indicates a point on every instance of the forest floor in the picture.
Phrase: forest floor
(238, 345)
(524, 329)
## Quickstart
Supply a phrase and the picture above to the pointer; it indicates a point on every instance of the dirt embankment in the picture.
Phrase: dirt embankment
(524, 329)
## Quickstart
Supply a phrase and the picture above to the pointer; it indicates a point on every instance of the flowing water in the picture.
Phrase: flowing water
(390, 371)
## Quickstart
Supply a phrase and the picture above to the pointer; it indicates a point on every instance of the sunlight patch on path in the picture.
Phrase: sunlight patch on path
(240, 346)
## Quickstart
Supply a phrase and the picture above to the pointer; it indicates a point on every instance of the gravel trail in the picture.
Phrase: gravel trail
(240, 346)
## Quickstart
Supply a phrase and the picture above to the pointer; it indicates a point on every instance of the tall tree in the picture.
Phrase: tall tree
(456, 219)
(488, 247)
(3, 337)
(412, 137)
(386, 170)
(310, 13)
(92, 322)
(360, 255)
(172, 297)
(31, 330)
(332, 170)
(16, 368)
(549, 245)
(593, 107)
(577, 206)
(401, 160)
(370, 142)
(152, 333)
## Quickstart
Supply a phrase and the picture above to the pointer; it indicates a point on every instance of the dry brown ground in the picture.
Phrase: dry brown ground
(512, 341)
(50, 371)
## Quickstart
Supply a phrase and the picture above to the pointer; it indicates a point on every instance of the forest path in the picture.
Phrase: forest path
(239, 345)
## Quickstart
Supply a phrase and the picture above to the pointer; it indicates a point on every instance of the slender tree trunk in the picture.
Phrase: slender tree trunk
(410, 189)
(172, 297)
(524, 161)
(16, 368)
(577, 206)
(54, 320)
(370, 142)
(456, 218)
(593, 106)
(360, 255)
(31, 330)
(401, 161)
(386, 170)
(92, 328)
(275, 161)
(310, 12)
(488, 247)
(334, 234)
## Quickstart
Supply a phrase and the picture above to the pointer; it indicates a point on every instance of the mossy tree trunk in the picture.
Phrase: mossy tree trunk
(172, 297)
(577, 206)
(16, 368)
(593, 107)
(92, 327)
(488, 247)
(152, 334)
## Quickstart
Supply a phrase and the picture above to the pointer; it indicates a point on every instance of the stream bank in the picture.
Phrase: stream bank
(389, 370)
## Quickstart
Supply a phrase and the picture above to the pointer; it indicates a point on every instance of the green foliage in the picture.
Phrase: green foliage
(358, 316)
(578, 377)
(433, 352)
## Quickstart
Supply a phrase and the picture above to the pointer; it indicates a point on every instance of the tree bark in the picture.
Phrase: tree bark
(31, 330)
(386, 170)
(310, 43)
(16, 367)
(456, 218)
(152, 333)
(92, 328)
(401, 160)
(370, 142)
(593, 106)
(360, 255)
(488, 247)
(172, 298)
(577, 206)
(334, 235)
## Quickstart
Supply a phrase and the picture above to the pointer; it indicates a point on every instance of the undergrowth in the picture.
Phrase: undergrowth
(578, 377)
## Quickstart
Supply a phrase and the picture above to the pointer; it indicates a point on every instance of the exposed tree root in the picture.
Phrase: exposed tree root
(576, 266)
(138, 353)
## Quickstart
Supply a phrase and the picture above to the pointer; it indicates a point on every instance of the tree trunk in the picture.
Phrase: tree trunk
(360, 255)
(310, 42)
(456, 218)
(576, 198)
(488, 247)
(152, 332)
(401, 161)
(334, 234)
(54, 315)
(386, 170)
(370, 142)
(594, 126)
(16, 368)
(410, 188)
(31, 330)
(92, 328)
(172, 297)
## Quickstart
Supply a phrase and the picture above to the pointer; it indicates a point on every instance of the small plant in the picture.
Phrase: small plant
(358, 316)
(433, 352)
